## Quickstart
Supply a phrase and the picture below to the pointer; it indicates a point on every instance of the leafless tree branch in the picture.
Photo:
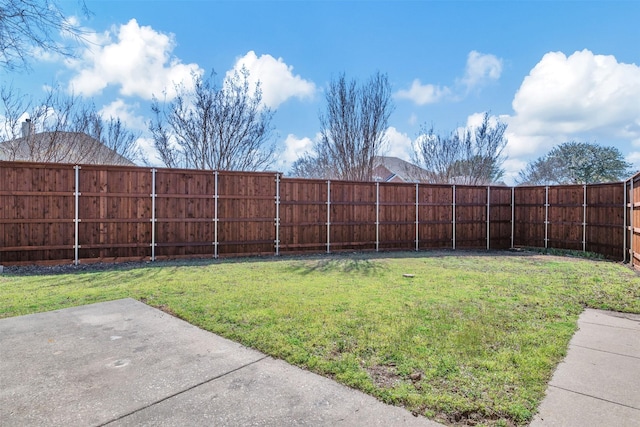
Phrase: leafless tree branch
(214, 127)
(26, 25)
(471, 156)
(353, 127)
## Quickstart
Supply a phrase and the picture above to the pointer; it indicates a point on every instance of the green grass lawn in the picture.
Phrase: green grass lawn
(471, 338)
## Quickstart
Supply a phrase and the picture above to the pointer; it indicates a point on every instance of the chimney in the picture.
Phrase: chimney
(27, 128)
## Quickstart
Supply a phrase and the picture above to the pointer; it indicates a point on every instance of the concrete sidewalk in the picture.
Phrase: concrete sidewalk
(598, 383)
(122, 363)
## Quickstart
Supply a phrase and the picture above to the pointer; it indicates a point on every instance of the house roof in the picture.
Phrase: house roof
(395, 169)
(61, 147)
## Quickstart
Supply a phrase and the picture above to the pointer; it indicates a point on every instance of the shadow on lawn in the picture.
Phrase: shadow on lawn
(363, 262)
(343, 265)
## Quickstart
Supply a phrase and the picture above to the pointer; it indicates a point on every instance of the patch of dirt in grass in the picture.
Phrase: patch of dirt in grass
(167, 310)
(383, 376)
(41, 270)
(162, 307)
(470, 418)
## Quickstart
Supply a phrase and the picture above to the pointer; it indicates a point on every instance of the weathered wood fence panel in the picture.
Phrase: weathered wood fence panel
(65, 213)
(246, 213)
(500, 217)
(605, 220)
(303, 216)
(530, 216)
(352, 218)
(627, 236)
(565, 217)
(114, 213)
(396, 216)
(471, 217)
(435, 216)
(632, 220)
(577, 217)
(184, 213)
(36, 213)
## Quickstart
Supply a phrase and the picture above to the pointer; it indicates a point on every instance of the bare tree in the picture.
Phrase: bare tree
(312, 166)
(472, 156)
(222, 127)
(113, 134)
(33, 24)
(62, 129)
(353, 127)
(14, 105)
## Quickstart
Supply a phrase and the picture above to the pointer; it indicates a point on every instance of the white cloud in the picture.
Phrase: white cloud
(475, 120)
(423, 94)
(634, 159)
(582, 95)
(135, 123)
(148, 149)
(6, 132)
(135, 58)
(276, 78)
(398, 144)
(512, 168)
(296, 147)
(126, 113)
(481, 68)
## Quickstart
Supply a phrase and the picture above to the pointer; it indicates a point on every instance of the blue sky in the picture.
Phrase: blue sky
(553, 71)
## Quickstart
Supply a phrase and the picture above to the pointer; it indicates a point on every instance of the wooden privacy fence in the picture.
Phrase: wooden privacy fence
(52, 213)
(631, 238)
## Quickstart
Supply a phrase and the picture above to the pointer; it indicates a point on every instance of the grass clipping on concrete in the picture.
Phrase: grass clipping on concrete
(465, 339)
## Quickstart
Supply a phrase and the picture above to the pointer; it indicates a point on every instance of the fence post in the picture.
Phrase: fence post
(277, 242)
(215, 214)
(76, 220)
(417, 219)
(454, 216)
(377, 216)
(153, 214)
(329, 216)
(584, 218)
(631, 225)
(546, 216)
(488, 214)
(624, 221)
(513, 215)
